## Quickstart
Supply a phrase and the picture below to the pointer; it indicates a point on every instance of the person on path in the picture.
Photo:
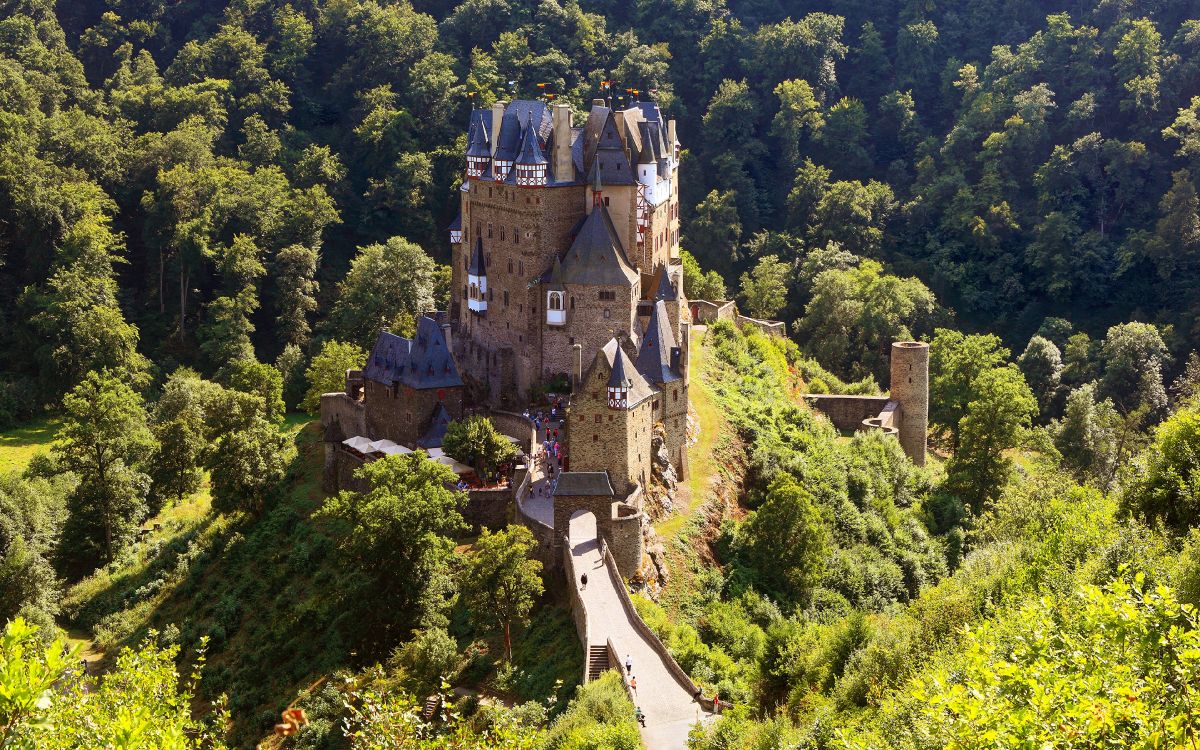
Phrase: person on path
(641, 717)
(583, 580)
(633, 685)
(628, 664)
(717, 704)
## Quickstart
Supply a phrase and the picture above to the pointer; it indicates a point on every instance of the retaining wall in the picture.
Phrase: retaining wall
(847, 412)
(769, 327)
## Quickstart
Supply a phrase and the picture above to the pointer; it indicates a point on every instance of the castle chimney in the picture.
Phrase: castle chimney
(446, 335)
(671, 139)
(564, 168)
(576, 366)
(497, 118)
(599, 103)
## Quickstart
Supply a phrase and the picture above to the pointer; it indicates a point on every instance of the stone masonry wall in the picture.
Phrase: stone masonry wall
(616, 440)
(591, 322)
(625, 539)
(847, 412)
(402, 414)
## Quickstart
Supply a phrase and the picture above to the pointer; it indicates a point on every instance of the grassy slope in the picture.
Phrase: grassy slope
(19, 445)
(264, 591)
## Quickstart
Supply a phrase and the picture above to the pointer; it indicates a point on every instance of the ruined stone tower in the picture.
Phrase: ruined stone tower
(910, 389)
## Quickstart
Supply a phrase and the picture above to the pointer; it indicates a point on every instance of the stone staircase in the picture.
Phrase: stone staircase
(597, 661)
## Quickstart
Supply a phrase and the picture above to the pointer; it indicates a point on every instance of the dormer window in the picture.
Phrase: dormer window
(555, 314)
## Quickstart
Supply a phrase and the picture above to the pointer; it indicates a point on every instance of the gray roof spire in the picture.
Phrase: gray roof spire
(619, 379)
(531, 152)
(478, 145)
(478, 266)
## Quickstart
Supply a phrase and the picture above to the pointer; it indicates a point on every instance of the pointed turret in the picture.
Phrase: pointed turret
(618, 382)
(658, 356)
(479, 151)
(531, 162)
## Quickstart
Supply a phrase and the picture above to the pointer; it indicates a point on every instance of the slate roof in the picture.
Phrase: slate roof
(437, 428)
(665, 289)
(516, 117)
(617, 378)
(456, 225)
(596, 256)
(478, 265)
(531, 150)
(639, 388)
(421, 362)
(594, 483)
(654, 355)
(477, 138)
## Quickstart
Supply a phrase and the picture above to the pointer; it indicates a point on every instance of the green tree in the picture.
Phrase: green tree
(1166, 485)
(327, 371)
(295, 268)
(398, 543)
(225, 334)
(105, 441)
(182, 434)
(138, 704)
(999, 413)
(786, 542)
(502, 582)
(291, 365)
(1041, 364)
(32, 512)
(715, 231)
(700, 285)
(247, 465)
(1134, 357)
(385, 281)
(261, 380)
(476, 442)
(956, 361)
(764, 289)
(1088, 436)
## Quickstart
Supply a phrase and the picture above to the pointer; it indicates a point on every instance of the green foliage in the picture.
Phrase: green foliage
(476, 442)
(1023, 680)
(385, 281)
(1165, 486)
(599, 716)
(138, 705)
(105, 441)
(700, 285)
(764, 289)
(397, 537)
(32, 513)
(502, 581)
(956, 362)
(856, 313)
(327, 371)
(786, 540)
(248, 465)
(261, 380)
(426, 661)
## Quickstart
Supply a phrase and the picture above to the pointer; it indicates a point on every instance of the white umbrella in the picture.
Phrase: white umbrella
(394, 450)
(360, 444)
(382, 445)
(434, 452)
(459, 468)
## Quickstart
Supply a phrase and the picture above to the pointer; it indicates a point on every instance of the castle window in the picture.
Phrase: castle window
(572, 307)
(555, 315)
(516, 236)
(595, 438)
(489, 295)
(527, 199)
(607, 314)
(608, 296)
(675, 394)
(521, 267)
(506, 298)
(609, 417)
(597, 419)
(464, 291)
(571, 341)
(654, 406)
(606, 200)
(509, 263)
(474, 291)
(441, 394)
(502, 238)
(489, 227)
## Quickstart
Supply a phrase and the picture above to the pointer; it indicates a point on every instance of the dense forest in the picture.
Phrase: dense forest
(209, 209)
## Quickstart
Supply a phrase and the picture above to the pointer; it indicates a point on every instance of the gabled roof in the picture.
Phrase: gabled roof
(517, 115)
(437, 428)
(478, 266)
(594, 483)
(421, 362)
(639, 388)
(477, 139)
(388, 360)
(531, 150)
(456, 225)
(665, 289)
(596, 256)
(654, 355)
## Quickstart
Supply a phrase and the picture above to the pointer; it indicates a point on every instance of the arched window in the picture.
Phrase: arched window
(474, 291)
(555, 314)
(556, 301)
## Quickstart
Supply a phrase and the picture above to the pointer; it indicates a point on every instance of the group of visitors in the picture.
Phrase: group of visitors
(550, 430)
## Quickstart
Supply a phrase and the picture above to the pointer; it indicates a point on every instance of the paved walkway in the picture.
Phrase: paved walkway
(670, 711)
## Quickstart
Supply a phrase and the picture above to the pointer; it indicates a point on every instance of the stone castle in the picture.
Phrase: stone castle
(566, 276)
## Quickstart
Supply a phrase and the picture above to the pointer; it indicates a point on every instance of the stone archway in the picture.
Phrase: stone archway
(582, 527)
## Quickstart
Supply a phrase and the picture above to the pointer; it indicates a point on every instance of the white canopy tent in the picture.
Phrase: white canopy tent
(360, 444)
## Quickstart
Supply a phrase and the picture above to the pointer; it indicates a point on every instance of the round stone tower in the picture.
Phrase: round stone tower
(910, 389)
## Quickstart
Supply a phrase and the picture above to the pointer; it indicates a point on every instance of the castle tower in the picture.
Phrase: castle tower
(910, 389)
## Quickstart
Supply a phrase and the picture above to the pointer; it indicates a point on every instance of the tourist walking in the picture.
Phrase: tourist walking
(633, 685)
(641, 717)
(583, 581)
(628, 664)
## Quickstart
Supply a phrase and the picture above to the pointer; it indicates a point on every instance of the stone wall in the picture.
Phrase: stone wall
(910, 389)
(348, 415)
(488, 508)
(402, 414)
(625, 538)
(704, 311)
(769, 327)
(591, 322)
(613, 440)
(514, 425)
(847, 412)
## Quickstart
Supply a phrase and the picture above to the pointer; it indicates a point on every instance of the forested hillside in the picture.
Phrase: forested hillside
(209, 209)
